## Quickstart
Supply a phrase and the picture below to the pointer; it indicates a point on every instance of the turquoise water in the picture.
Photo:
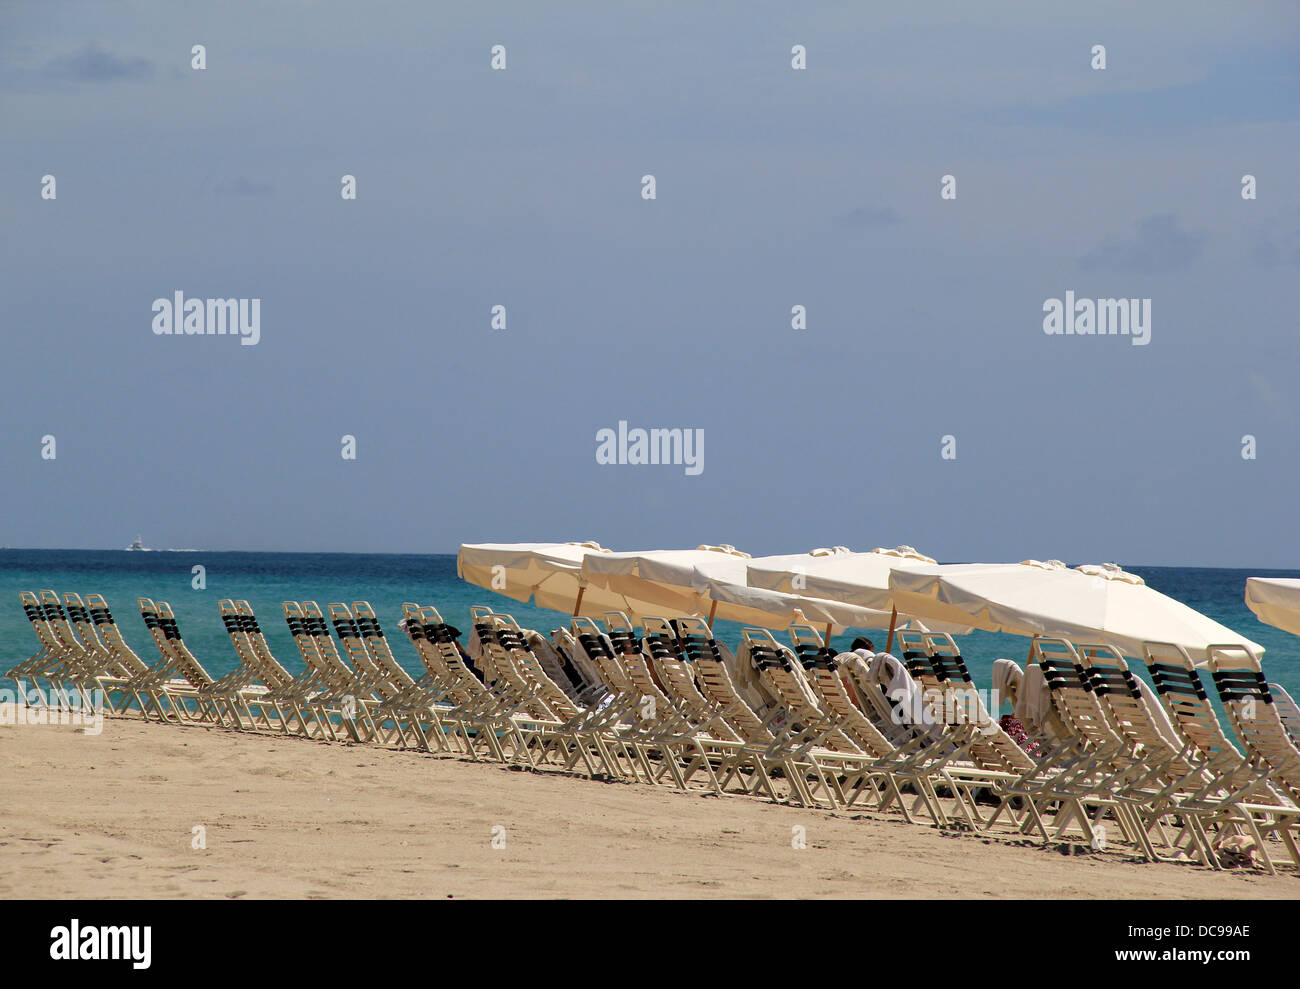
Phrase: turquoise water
(268, 579)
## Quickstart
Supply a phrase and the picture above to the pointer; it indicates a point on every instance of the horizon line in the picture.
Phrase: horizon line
(310, 552)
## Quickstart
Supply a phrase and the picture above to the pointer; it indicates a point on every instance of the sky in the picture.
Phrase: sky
(774, 187)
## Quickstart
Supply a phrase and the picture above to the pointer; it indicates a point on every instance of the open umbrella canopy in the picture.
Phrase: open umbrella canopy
(550, 574)
(723, 583)
(858, 579)
(709, 581)
(1275, 600)
(1089, 604)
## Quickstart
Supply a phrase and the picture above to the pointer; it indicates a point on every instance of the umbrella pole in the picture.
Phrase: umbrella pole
(893, 619)
(713, 610)
(577, 605)
(827, 639)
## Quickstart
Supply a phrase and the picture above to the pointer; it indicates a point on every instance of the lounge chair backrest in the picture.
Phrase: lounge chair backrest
(599, 649)
(372, 636)
(822, 673)
(916, 659)
(628, 648)
(105, 660)
(993, 748)
(187, 663)
(1288, 711)
(57, 620)
(1251, 708)
(435, 643)
(1071, 690)
(249, 658)
(1116, 687)
(349, 679)
(516, 658)
(109, 634)
(776, 666)
(305, 640)
(272, 668)
(1181, 691)
(36, 614)
(713, 678)
(676, 675)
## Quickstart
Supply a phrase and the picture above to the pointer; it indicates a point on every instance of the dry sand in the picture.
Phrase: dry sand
(112, 816)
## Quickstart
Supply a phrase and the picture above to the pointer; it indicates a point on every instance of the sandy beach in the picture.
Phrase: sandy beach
(114, 815)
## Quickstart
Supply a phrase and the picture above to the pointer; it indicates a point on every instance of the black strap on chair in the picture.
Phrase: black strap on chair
(1104, 680)
(1061, 674)
(594, 645)
(766, 657)
(918, 664)
(1177, 680)
(662, 646)
(815, 657)
(949, 668)
(696, 647)
(624, 641)
(346, 628)
(1238, 685)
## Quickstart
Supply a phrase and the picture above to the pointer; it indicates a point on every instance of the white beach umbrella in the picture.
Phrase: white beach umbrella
(858, 579)
(709, 581)
(1101, 604)
(1275, 600)
(661, 577)
(549, 574)
(724, 583)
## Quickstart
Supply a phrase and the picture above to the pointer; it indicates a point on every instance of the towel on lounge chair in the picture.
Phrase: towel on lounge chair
(553, 665)
(1033, 707)
(856, 665)
(890, 673)
(1007, 680)
(745, 678)
(566, 646)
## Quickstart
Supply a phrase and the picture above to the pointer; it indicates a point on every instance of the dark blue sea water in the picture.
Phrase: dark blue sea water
(268, 579)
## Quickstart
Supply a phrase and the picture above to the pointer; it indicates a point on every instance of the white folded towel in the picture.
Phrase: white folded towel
(1007, 680)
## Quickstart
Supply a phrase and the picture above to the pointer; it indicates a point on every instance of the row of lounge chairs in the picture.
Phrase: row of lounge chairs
(796, 723)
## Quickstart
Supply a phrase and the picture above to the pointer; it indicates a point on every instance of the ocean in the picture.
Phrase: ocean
(268, 579)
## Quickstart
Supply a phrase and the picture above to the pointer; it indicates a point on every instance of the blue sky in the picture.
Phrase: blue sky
(775, 188)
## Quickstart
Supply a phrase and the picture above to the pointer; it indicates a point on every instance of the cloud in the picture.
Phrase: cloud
(241, 186)
(1161, 245)
(865, 217)
(94, 64)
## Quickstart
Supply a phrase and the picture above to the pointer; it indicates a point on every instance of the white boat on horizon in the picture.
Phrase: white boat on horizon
(138, 545)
